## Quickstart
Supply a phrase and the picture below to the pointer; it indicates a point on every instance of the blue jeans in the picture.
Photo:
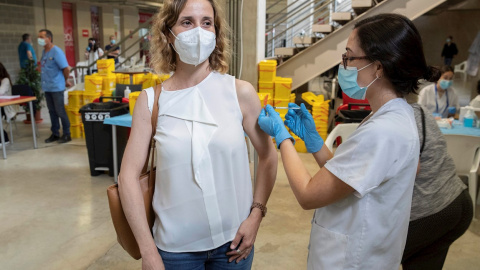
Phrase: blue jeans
(56, 108)
(215, 259)
(448, 61)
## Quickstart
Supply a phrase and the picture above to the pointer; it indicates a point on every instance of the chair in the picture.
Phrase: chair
(120, 89)
(341, 130)
(461, 69)
(22, 90)
(465, 151)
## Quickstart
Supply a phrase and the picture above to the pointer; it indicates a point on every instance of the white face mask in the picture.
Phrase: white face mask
(194, 46)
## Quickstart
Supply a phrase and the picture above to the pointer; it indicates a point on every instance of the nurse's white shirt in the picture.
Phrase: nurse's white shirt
(428, 99)
(203, 189)
(368, 229)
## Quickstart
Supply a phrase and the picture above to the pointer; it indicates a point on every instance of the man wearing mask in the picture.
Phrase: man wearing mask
(26, 51)
(449, 51)
(113, 54)
(55, 72)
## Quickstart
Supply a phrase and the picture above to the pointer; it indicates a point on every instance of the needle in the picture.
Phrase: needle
(287, 108)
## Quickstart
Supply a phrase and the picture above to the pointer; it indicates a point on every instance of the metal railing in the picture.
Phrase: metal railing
(124, 51)
(299, 22)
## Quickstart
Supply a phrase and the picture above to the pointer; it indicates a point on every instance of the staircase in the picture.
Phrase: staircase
(317, 48)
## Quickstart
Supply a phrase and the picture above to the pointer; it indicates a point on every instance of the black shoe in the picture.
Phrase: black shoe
(65, 138)
(52, 138)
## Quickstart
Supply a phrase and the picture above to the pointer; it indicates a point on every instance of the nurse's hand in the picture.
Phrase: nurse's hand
(301, 122)
(270, 122)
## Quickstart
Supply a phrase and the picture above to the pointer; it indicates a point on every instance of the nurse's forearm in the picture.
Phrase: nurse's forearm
(322, 156)
(297, 174)
(66, 73)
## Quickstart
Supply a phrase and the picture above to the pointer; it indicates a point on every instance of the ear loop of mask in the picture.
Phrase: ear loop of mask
(375, 76)
(171, 44)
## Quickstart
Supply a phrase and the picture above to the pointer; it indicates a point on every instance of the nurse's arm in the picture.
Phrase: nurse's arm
(322, 189)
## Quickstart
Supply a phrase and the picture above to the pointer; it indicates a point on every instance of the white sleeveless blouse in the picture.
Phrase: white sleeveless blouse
(203, 189)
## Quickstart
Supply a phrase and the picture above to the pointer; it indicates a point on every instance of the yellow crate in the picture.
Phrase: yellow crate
(265, 99)
(76, 131)
(109, 82)
(93, 84)
(292, 98)
(105, 66)
(283, 88)
(89, 98)
(266, 91)
(132, 99)
(266, 85)
(75, 98)
(83, 131)
(122, 78)
(282, 111)
(74, 116)
(138, 78)
(278, 102)
(107, 93)
(267, 70)
(162, 78)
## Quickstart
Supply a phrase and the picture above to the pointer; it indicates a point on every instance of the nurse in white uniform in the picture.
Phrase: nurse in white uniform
(362, 194)
(440, 98)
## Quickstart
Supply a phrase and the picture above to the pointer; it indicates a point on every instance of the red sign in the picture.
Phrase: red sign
(84, 32)
(68, 33)
(143, 17)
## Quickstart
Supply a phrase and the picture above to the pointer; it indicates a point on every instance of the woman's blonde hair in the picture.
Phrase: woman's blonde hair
(162, 54)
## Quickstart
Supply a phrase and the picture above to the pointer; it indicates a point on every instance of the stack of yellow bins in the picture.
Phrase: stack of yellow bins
(320, 109)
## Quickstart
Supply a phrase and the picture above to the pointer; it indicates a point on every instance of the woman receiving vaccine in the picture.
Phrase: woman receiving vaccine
(440, 98)
(206, 216)
(361, 195)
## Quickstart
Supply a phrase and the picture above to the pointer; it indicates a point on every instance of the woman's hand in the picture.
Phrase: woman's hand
(270, 122)
(152, 262)
(246, 235)
(301, 122)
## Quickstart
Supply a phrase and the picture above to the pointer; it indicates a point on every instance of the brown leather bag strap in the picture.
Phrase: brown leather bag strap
(150, 155)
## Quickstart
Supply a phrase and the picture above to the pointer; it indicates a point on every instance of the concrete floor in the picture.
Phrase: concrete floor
(55, 215)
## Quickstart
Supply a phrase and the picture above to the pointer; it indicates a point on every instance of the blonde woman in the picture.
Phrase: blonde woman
(206, 216)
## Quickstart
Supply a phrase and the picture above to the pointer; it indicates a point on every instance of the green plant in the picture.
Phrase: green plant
(31, 76)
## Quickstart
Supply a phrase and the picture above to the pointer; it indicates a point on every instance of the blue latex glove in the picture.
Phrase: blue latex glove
(452, 110)
(270, 122)
(301, 122)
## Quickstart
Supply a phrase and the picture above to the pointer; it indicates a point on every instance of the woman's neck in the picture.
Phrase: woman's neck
(440, 90)
(377, 97)
(186, 76)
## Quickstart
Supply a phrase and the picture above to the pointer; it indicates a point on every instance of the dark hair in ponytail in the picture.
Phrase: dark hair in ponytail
(394, 41)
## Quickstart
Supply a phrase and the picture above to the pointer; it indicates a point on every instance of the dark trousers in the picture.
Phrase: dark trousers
(430, 237)
(56, 108)
(4, 116)
(448, 61)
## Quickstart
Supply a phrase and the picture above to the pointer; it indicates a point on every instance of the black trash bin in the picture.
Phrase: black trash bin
(99, 136)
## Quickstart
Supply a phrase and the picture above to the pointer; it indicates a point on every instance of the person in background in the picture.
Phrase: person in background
(8, 112)
(113, 54)
(92, 53)
(206, 214)
(26, 51)
(440, 98)
(55, 72)
(362, 194)
(476, 101)
(441, 205)
(449, 51)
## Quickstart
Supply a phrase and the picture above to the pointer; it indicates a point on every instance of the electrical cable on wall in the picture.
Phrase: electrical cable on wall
(241, 40)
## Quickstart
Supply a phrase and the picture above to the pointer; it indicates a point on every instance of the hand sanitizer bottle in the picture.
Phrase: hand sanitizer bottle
(127, 92)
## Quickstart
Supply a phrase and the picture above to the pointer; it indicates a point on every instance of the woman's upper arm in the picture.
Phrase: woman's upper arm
(4, 83)
(139, 140)
(250, 107)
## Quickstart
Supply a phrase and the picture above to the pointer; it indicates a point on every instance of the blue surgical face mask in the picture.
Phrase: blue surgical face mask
(112, 41)
(347, 78)
(448, 40)
(41, 41)
(444, 84)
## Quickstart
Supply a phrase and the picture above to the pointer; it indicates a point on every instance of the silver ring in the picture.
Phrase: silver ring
(239, 251)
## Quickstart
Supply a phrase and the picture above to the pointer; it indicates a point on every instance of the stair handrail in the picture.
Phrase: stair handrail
(286, 16)
(274, 4)
(301, 20)
(286, 8)
(122, 41)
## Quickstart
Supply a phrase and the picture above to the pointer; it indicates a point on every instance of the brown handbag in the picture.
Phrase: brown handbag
(125, 235)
